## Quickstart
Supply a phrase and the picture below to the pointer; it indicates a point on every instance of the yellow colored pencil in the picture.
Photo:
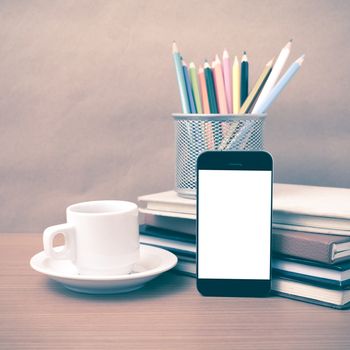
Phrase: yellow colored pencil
(257, 88)
(236, 84)
(273, 77)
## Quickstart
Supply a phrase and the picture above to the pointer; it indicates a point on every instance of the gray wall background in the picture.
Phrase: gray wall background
(87, 89)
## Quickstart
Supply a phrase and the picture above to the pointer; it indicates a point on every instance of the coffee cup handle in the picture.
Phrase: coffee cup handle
(68, 251)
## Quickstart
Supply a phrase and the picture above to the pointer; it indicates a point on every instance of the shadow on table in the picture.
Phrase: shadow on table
(169, 283)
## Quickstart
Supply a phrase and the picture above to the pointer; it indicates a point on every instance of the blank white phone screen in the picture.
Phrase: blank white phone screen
(234, 224)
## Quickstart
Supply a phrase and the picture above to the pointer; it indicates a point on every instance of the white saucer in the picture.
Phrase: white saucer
(153, 262)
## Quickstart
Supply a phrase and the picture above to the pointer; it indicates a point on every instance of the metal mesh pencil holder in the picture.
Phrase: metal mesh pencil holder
(196, 133)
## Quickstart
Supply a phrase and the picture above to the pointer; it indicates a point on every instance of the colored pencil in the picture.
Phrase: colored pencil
(246, 130)
(223, 87)
(236, 86)
(180, 79)
(244, 77)
(208, 130)
(276, 70)
(189, 88)
(212, 67)
(220, 86)
(210, 88)
(226, 65)
(277, 89)
(195, 87)
(204, 92)
(257, 88)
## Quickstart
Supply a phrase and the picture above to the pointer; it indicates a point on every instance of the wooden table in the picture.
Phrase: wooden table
(36, 313)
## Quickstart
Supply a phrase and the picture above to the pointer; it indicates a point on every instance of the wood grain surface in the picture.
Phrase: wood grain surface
(36, 313)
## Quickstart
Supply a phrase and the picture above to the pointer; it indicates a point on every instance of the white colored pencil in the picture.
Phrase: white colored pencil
(292, 70)
(227, 71)
(276, 71)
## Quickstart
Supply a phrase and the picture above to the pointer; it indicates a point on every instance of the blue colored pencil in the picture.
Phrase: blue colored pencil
(180, 79)
(277, 89)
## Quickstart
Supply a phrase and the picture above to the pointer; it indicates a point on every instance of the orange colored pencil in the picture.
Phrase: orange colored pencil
(204, 92)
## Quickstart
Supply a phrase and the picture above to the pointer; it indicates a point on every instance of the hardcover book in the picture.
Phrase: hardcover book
(321, 209)
(336, 298)
(318, 247)
(315, 206)
(328, 249)
(314, 293)
(168, 201)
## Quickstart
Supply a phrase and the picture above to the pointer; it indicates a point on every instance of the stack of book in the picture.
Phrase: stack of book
(310, 239)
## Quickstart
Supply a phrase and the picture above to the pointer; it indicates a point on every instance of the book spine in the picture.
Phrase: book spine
(289, 218)
(293, 245)
(187, 226)
(172, 207)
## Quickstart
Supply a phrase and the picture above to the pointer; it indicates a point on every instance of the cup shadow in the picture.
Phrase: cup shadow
(169, 283)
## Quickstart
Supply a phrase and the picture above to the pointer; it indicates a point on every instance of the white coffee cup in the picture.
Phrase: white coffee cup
(101, 237)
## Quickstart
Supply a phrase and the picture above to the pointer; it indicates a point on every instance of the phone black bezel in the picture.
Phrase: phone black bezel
(233, 160)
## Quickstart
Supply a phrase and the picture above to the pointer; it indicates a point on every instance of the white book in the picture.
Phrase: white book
(324, 208)
(312, 206)
(168, 201)
(329, 202)
(187, 224)
(338, 298)
(311, 229)
(336, 276)
(318, 272)
(167, 214)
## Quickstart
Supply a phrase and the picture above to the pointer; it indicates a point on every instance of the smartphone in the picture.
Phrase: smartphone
(234, 206)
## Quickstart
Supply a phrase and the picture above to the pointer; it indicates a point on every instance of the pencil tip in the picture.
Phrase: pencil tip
(270, 62)
(289, 44)
(175, 49)
(300, 60)
(244, 57)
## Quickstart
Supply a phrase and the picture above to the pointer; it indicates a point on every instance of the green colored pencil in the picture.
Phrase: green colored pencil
(195, 87)
(210, 87)
(257, 88)
(244, 77)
